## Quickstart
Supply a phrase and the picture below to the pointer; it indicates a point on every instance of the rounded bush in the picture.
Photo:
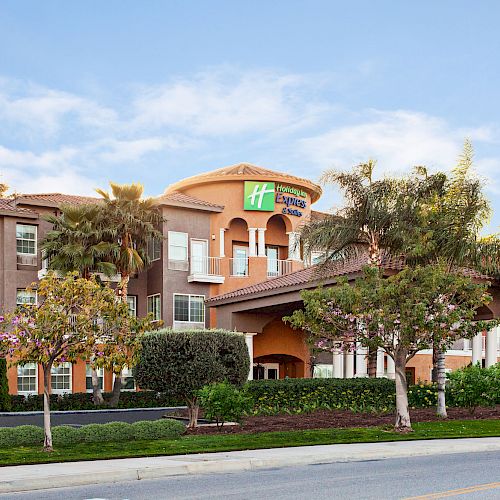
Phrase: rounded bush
(118, 431)
(8, 437)
(93, 433)
(28, 435)
(158, 429)
(63, 435)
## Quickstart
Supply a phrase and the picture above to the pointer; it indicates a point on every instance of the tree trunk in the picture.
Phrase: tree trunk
(193, 410)
(403, 422)
(117, 387)
(372, 362)
(47, 440)
(124, 286)
(96, 390)
(441, 385)
(435, 355)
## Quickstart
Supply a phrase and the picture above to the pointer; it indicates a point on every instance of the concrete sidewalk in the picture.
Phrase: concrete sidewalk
(33, 477)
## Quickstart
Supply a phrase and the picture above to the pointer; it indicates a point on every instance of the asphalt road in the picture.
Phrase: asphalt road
(371, 479)
(13, 420)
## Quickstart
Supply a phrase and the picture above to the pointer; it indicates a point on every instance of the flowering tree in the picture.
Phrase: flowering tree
(403, 314)
(69, 320)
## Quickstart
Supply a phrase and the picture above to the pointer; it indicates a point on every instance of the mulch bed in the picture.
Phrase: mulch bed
(324, 419)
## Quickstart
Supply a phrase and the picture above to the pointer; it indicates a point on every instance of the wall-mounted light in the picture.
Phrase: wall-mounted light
(213, 236)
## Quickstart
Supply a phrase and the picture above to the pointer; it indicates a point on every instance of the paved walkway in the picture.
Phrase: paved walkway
(33, 477)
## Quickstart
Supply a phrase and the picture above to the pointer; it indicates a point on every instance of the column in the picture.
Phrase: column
(249, 341)
(252, 251)
(477, 349)
(262, 241)
(221, 242)
(380, 362)
(349, 364)
(491, 347)
(361, 362)
(391, 368)
(293, 245)
(338, 365)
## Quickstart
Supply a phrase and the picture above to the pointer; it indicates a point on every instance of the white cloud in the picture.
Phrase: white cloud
(227, 103)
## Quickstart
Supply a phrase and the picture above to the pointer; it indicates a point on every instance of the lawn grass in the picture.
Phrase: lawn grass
(232, 442)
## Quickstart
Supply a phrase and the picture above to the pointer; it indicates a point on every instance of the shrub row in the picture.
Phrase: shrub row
(303, 395)
(83, 401)
(32, 435)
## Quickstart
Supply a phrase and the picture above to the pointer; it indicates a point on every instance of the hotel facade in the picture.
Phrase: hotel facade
(230, 258)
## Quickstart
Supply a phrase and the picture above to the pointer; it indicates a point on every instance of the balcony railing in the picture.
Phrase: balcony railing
(238, 266)
(277, 267)
(206, 269)
(27, 260)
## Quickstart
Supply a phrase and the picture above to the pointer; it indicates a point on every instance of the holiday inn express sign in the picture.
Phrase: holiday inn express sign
(264, 196)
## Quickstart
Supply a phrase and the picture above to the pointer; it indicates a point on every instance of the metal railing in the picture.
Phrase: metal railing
(238, 266)
(277, 267)
(208, 266)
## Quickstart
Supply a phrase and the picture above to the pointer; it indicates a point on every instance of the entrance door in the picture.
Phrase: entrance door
(240, 260)
(266, 371)
(199, 256)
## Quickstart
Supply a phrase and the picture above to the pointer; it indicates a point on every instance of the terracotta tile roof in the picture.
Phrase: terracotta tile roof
(180, 198)
(55, 198)
(311, 276)
(8, 205)
(247, 171)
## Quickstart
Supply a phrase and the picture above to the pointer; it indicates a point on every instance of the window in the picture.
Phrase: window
(154, 306)
(323, 371)
(128, 381)
(189, 308)
(132, 305)
(178, 251)
(88, 378)
(60, 378)
(154, 249)
(23, 297)
(25, 239)
(27, 378)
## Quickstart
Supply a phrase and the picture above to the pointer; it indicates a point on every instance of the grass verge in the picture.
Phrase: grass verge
(233, 442)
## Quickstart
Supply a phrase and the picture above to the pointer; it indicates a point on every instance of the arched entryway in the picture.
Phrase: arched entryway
(277, 366)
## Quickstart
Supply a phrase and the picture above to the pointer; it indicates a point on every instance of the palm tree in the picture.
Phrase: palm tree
(450, 233)
(133, 222)
(380, 215)
(79, 241)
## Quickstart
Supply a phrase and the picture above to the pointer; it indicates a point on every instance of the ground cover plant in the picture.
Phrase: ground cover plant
(233, 442)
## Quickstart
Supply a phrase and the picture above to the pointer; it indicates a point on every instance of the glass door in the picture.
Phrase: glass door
(199, 256)
(272, 261)
(240, 260)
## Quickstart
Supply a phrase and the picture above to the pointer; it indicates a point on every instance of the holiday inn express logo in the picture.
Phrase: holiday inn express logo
(259, 196)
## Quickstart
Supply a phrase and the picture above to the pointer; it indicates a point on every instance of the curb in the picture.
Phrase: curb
(58, 475)
(91, 412)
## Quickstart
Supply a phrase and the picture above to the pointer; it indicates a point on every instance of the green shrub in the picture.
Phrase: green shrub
(222, 402)
(180, 363)
(5, 401)
(28, 435)
(103, 433)
(158, 429)
(305, 395)
(64, 435)
(8, 438)
(423, 396)
(474, 386)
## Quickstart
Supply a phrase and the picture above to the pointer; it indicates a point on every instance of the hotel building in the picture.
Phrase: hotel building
(230, 258)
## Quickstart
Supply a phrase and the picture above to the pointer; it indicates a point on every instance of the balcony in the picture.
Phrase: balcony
(238, 267)
(277, 267)
(205, 270)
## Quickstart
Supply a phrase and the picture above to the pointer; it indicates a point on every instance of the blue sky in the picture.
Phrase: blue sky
(158, 90)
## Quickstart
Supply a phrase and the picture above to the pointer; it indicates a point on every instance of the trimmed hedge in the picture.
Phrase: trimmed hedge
(303, 395)
(83, 401)
(32, 435)
(5, 401)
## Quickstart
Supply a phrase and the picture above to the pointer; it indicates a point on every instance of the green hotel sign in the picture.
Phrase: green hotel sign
(259, 196)
(264, 196)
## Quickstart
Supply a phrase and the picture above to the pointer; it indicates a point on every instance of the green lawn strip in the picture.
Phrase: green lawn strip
(233, 442)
